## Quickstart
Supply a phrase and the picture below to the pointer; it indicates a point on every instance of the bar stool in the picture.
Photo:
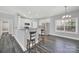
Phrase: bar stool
(42, 32)
(42, 35)
(31, 42)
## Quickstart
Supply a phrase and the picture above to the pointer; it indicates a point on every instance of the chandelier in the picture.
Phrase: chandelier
(66, 16)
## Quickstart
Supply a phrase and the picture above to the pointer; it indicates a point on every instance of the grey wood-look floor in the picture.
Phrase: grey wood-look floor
(61, 45)
(53, 44)
(8, 44)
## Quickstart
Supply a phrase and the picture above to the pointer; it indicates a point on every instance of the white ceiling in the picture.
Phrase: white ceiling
(37, 11)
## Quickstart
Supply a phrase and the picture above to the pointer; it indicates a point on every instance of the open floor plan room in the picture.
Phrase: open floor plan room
(39, 29)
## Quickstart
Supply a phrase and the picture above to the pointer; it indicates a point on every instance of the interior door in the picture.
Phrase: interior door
(5, 26)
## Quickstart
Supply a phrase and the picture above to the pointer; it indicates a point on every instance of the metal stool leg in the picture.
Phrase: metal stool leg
(28, 46)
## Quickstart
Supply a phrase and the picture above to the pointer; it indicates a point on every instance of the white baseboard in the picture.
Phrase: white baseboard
(74, 38)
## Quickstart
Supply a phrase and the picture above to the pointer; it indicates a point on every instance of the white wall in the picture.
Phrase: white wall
(63, 34)
(10, 19)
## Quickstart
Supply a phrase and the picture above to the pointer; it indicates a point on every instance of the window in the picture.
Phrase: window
(68, 25)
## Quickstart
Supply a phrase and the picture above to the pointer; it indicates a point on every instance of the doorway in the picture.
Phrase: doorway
(4, 26)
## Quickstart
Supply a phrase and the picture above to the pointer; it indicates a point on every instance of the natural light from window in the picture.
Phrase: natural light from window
(67, 25)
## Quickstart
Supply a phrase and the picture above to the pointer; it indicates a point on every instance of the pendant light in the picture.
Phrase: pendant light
(66, 16)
